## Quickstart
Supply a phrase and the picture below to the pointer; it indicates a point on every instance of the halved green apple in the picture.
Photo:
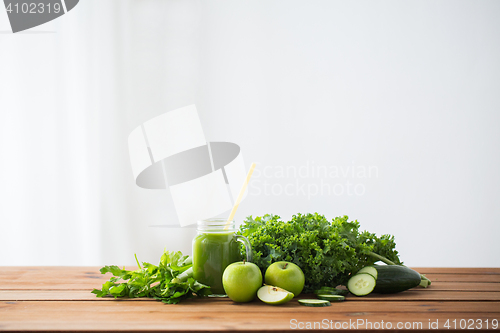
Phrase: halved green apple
(274, 295)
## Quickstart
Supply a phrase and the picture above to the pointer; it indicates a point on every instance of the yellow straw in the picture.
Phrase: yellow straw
(240, 196)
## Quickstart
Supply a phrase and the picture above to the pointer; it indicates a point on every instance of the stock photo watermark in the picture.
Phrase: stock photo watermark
(312, 179)
(26, 14)
(364, 324)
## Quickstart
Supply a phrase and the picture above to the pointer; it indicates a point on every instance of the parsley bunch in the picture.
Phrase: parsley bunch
(170, 282)
(327, 252)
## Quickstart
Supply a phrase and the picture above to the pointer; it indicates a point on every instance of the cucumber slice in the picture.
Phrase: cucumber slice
(332, 298)
(314, 302)
(370, 270)
(361, 284)
(331, 291)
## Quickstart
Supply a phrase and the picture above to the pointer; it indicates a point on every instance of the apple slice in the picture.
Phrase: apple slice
(274, 295)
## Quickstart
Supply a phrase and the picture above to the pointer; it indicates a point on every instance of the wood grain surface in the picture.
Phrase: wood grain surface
(59, 299)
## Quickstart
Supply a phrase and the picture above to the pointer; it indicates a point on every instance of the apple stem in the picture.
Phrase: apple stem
(244, 261)
(285, 265)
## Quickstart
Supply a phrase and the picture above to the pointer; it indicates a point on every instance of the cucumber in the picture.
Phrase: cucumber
(394, 278)
(331, 291)
(314, 302)
(361, 284)
(331, 298)
(370, 270)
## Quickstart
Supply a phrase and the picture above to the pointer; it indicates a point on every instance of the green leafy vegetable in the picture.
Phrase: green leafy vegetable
(170, 282)
(327, 252)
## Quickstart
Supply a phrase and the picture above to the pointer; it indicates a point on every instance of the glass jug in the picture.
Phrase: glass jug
(215, 247)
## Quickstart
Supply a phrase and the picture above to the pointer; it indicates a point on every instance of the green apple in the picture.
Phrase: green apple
(241, 280)
(285, 275)
(274, 295)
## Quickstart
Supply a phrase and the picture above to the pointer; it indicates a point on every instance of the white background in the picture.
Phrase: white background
(409, 88)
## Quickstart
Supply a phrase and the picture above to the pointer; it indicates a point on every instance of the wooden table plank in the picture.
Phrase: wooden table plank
(89, 277)
(226, 305)
(156, 316)
(462, 270)
(459, 277)
(51, 278)
(461, 286)
(410, 295)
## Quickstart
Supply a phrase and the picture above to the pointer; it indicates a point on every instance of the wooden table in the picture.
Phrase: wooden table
(59, 298)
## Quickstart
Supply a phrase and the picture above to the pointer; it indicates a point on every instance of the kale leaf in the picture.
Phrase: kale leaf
(327, 252)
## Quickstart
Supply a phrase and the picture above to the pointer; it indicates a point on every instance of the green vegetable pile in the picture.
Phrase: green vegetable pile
(170, 282)
(327, 252)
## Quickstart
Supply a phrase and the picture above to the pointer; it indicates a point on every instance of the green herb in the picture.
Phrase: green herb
(170, 282)
(327, 252)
